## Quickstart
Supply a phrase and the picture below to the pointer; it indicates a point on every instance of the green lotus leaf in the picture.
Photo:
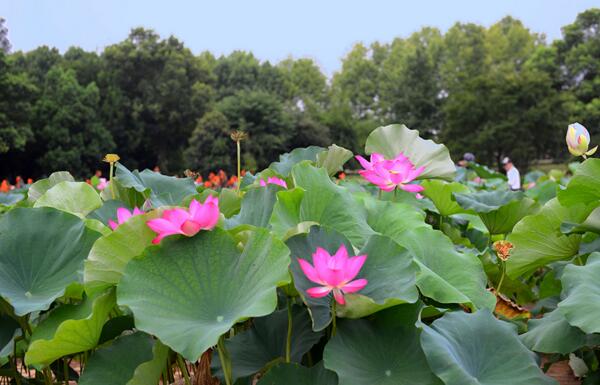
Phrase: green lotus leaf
(288, 160)
(69, 329)
(252, 350)
(440, 193)
(286, 211)
(334, 158)
(388, 268)
(189, 291)
(77, 198)
(392, 219)
(41, 253)
(438, 260)
(257, 207)
(330, 205)
(378, 352)
(397, 138)
(294, 374)
(134, 359)
(503, 220)
(487, 201)
(230, 202)
(9, 329)
(584, 186)
(477, 348)
(10, 198)
(161, 189)
(543, 191)
(538, 241)
(485, 172)
(581, 292)
(553, 334)
(37, 189)
(591, 223)
(111, 253)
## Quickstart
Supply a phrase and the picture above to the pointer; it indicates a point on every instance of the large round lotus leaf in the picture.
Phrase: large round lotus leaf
(257, 207)
(77, 198)
(538, 241)
(486, 201)
(397, 138)
(503, 220)
(37, 189)
(440, 193)
(288, 160)
(230, 202)
(161, 189)
(581, 291)
(553, 334)
(388, 268)
(294, 374)
(584, 187)
(485, 172)
(439, 277)
(478, 349)
(252, 350)
(111, 253)
(322, 202)
(189, 291)
(543, 191)
(41, 253)
(134, 359)
(69, 329)
(378, 353)
(391, 218)
(334, 158)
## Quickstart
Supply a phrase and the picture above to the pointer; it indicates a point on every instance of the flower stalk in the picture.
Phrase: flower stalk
(111, 159)
(225, 361)
(237, 136)
(288, 342)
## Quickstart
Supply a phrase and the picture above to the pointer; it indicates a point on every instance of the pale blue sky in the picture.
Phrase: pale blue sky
(323, 30)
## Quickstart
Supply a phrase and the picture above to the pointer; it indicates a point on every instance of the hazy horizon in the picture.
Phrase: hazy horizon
(271, 30)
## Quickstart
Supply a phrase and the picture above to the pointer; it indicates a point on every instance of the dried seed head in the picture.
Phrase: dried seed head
(238, 136)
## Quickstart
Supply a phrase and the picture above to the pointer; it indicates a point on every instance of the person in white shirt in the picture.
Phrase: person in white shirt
(514, 177)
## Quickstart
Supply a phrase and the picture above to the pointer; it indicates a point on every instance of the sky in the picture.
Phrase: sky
(324, 30)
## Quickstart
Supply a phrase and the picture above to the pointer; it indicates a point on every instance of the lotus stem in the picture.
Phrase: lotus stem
(66, 369)
(47, 376)
(395, 193)
(333, 316)
(379, 194)
(288, 342)
(239, 165)
(225, 361)
(110, 177)
(503, 265)
(183, 368)
(15, 367)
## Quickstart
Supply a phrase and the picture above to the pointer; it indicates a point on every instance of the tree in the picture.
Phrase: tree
(4, 42)
(210, 147)
(579, 58)
(68, 132)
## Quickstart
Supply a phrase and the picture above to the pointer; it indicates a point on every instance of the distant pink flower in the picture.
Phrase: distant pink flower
(389, 174)
(199, 216)
(122, 216)
(273, 180)
(334, 273)
(102, 184)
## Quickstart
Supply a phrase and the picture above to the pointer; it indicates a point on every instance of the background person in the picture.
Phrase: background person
(514, 177)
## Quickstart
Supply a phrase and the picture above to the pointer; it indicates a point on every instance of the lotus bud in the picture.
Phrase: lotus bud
(578, 140)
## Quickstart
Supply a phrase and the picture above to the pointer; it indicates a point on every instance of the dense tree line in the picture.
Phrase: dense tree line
(492, 91)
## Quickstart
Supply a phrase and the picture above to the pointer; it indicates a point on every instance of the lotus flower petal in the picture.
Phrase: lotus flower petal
(354, 286)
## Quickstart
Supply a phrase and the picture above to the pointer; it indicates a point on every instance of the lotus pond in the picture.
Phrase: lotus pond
(415, 272)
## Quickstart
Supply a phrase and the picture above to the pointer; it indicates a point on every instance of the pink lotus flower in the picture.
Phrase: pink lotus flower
(273, 180)
(102, 184)
(334, 273)
(200, 216)
(122, 216)
(389, 174)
